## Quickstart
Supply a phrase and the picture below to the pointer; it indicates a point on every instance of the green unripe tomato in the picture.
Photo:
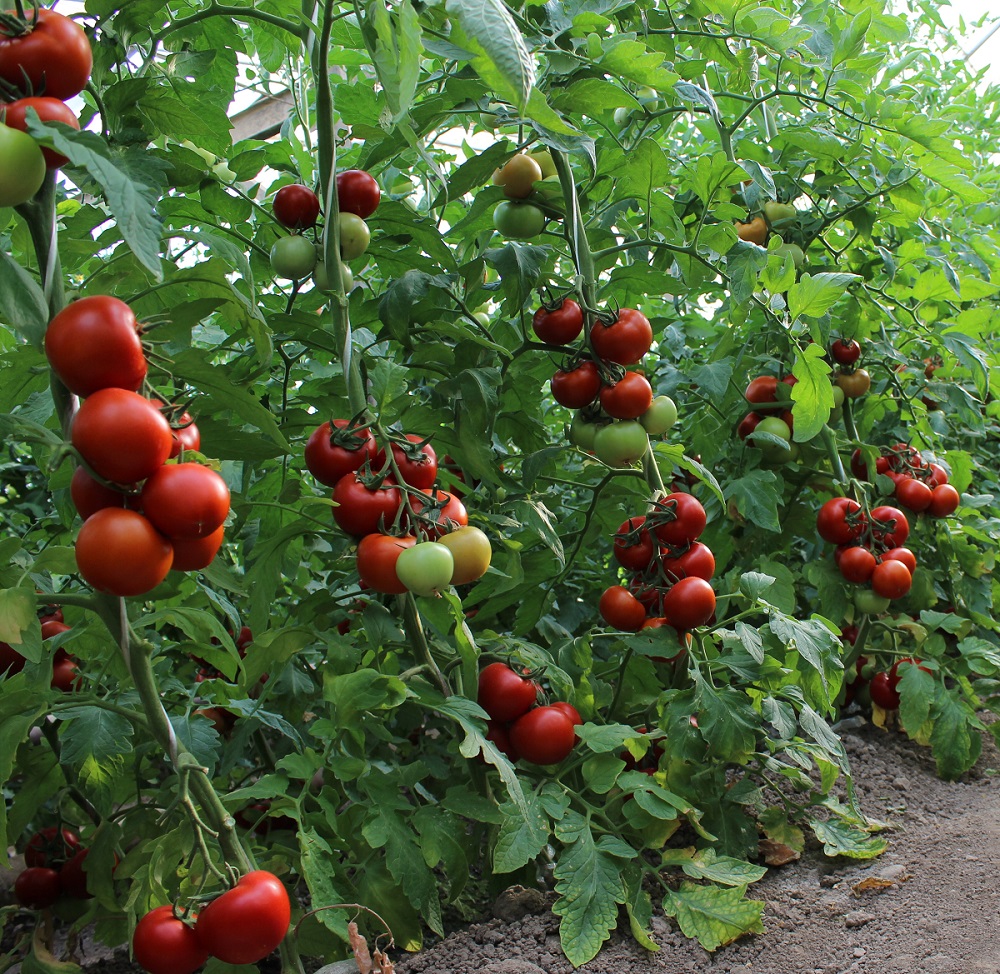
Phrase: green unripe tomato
(22, 167)
(791, 250)
(582, 433)
(321, 278)
(293, 257)
(869, 602)
(779, 212)
(519, 221)
(621, 443)
(773, 452)
(838, 397)
(545, 162)
(647, 96)
(426, 569)
(482, 317)
(622, 117)
(354, 236)
(660, 416)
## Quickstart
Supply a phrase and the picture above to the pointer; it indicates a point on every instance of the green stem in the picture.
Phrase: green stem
(418, 639)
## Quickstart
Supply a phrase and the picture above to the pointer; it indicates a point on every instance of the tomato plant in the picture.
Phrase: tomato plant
(23, 167)
(15, 115)
(51, 846)
(120, 552)
(376, 558)
(185, 501)
(293, 257)
(628, 398)
(331, 452)
(560, 325)
(624, 339)
(519, 221)
(518, 176)
(425, 568)
(362, 510)
(545, 735)
(358, 193)
(49, 52)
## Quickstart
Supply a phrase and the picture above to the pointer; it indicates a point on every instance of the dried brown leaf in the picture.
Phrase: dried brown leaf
(360, 947)
(385, 965)
(777, 853)
(874, 884)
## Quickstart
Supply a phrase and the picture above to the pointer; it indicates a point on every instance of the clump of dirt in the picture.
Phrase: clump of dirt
(929, 905)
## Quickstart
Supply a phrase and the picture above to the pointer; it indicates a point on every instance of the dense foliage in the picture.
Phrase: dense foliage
(765, 183)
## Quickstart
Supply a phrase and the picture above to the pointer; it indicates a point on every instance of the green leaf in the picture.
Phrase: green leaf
(590, 887)
(727, 721)
(354, 693)
(916, 694)
(706, 864)
(93, 732)
(502, 56)
(841, 838)
(812, 395)
(22, 302)
(17, 614)
(756, 495)
(954, 743)
(522, 836)
(816, 644)
(815, 294)
(714, 916)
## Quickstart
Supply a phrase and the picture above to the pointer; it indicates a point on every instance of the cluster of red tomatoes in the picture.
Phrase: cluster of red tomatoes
(517, 217)
(668, 570)
(617, 409)
(412, 536)
(869, 548)
(297, 207)
(854, 381)
(142, 514)
(884, 685)
(64, 667)
(921, 485)
(242, 926)
(45, 58)
(54, 860)
(518, 726)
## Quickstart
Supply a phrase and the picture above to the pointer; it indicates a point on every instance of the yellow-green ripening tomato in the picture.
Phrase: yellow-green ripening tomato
(22, 167)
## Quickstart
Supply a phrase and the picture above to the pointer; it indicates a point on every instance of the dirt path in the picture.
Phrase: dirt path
(940, 915)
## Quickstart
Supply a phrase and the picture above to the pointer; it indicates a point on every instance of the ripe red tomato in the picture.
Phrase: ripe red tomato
(90, 496)
(944, 501)
(53, 57)
(51, 846)
(896, 530)
(360, 510)
(891, 579)
(121, 553)
(48, 110)
(882, 692)
(895, 676)
(628, 398)
(505, 694)
(840, 520)
(856, 564)
(376, 561)
(679, 519)
(938, 476)
(358, 193)
(11, 661)
(845, 352)
(625, 340)
(559, 326)
(184, 436)
(689, 603)
(913, 494)
(333, 451)
(621, 609)
(576, 387)
(296, 207)
(164, 944)
(245, 924)
(192, 556)
(73, 877)
(37, 887)
(121, 435)
(748, 424)
(762, 390)
(696, 562)
(417, 461)
(185, 501)
(53, 627)
(445, 514)
(569, 710)
(496, 731)
(633, 544)
(94, 344)
(904, 555)
(544, 735)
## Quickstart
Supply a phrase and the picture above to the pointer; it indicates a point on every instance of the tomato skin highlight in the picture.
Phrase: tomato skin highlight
(163, 944)
(504, 694)
(121, 435)
(544, 735)
(119, 552)
(245, 924)
(94, 344)
(55, 55)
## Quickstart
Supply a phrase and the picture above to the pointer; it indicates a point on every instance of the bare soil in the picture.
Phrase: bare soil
(937, 910)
